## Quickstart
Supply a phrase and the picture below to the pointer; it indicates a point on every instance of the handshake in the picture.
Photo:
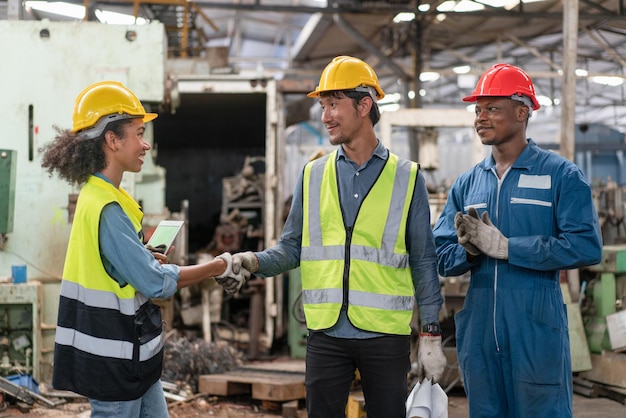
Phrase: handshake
(239, 267)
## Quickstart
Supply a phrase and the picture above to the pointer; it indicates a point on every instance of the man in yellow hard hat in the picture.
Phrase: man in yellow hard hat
(359, 228)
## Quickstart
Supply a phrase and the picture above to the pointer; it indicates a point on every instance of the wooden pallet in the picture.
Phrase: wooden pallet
(262, 385)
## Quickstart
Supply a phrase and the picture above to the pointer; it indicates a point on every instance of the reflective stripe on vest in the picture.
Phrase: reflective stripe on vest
(380, 293)
(107, 348)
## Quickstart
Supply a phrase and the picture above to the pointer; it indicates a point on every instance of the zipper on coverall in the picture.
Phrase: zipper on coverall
(495, 279)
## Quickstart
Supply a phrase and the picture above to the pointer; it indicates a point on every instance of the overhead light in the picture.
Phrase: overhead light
(468, 6)
(404, 17)
(544, 101)
(427, 76)
(607, 80)
(580, 72)
(466, 81)
(461, 6)
(500, 3)
(423, 7)
(462, 69)
(389, 98)
(506, 4)
(446, 6)
(391, 107)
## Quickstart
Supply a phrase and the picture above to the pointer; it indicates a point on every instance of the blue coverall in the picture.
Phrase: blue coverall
(511, 335)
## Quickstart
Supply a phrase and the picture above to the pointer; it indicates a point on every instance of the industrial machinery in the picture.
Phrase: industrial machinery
(209, 127)
(48, 69)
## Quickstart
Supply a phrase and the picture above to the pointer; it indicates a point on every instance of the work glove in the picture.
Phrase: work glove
(234, 277)
(247, 260)
(463, 237)
(431, 361)
(485, 236)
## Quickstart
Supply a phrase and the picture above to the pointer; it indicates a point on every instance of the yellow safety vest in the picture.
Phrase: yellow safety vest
(365, 267)
(108, 342)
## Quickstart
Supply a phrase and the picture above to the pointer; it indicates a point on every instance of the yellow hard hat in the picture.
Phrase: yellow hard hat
(106, 98)
(347, 73)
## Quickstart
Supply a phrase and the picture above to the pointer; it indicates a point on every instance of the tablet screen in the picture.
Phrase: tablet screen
(165, 233)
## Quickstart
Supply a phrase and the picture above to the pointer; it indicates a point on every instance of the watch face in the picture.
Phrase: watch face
(432, 328)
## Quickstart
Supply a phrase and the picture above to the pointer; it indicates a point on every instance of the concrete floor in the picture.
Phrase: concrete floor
(583, 407)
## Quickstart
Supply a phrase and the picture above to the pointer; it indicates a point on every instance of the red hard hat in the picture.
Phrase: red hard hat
(504, 80)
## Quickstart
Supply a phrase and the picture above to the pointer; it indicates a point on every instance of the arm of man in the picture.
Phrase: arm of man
(422, 255)
(431, 360)
(452, 257)
(285, 255)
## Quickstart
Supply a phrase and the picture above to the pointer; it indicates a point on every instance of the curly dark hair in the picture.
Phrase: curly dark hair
(75, 158)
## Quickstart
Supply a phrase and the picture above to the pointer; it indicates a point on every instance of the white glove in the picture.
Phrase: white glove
(485, 236)
(247, 260)
(234, 276)
(430, 358)
(463, 237)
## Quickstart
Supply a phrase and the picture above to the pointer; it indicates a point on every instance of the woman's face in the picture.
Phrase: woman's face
(131, 149)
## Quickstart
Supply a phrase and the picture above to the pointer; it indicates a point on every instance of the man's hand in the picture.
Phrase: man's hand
(234, 277)
(430, 358)
(463, 237)
(485, 236)
(247, 260)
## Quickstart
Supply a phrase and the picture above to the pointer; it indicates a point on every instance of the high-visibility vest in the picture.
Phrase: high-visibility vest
(366, 268)
(108, 342)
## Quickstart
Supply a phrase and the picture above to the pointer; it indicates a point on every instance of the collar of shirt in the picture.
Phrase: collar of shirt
(103, 177)
(380, 151)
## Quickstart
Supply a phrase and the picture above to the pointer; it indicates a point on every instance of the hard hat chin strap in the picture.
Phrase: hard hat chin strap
(97, 129)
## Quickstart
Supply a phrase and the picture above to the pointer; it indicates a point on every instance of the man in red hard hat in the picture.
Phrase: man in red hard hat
(515, 220)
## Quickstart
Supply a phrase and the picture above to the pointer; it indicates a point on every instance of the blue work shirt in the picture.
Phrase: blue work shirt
(126, 259)
(354, 183)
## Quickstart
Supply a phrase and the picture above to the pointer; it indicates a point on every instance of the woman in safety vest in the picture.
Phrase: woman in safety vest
(109, 337)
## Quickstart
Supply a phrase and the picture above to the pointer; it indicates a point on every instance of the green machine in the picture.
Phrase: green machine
(606, 294)
(8, 163)
(297, 325)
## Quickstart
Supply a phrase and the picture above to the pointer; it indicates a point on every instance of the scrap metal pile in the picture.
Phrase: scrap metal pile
(187, 358)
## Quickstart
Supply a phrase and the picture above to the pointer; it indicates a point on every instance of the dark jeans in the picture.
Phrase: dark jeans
(383, 364)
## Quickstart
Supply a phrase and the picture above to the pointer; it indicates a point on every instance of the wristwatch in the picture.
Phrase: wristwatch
(432, 328)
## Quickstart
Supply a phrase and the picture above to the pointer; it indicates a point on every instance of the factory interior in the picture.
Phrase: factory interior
(228, 79)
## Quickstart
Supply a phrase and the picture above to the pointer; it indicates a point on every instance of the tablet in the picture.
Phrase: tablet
(164, 234)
